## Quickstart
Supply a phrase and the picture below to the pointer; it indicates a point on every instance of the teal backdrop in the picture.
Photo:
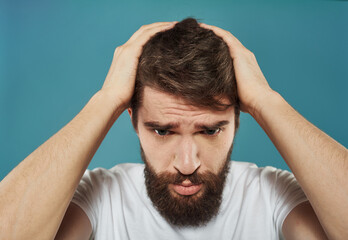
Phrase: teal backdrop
(54, 55)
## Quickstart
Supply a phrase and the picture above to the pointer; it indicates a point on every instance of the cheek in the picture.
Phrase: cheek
(213, 153)
(157, 153)
(161, 152)
(211, 157)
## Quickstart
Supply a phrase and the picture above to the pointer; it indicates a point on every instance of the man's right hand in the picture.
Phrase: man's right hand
(120, 79)
(35, 195)
(119, 87)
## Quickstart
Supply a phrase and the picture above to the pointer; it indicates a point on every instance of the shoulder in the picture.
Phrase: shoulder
(251, 170)
(252, 167)
(118, 173)
(268, 177)
(127, 168)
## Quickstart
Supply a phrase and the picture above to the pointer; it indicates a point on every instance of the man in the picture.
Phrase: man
(190, 189)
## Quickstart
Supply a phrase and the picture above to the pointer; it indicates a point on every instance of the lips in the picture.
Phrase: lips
(187, 189)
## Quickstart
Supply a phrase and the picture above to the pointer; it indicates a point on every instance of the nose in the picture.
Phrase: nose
(186, 159)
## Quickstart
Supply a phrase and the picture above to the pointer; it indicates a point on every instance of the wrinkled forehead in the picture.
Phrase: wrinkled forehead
(158, 104)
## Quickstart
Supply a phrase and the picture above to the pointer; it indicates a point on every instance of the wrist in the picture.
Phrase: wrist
(268, 100)
(111, 100)
(103, 106)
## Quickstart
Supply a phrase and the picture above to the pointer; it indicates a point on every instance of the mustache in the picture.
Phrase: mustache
(161, 180)
(178, 178)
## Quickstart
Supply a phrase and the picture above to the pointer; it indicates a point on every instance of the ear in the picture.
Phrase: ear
(130, 112)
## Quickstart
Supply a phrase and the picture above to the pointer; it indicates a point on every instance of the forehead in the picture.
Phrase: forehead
(161, 106)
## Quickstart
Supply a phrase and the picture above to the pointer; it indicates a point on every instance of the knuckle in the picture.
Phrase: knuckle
(121, 48)
(229, 34)
(144, 26)
(116, 50)
(248, 52)
(124, 46)
(252, 54)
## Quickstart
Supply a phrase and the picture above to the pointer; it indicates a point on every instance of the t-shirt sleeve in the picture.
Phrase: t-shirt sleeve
(286, 195)
(88, 195)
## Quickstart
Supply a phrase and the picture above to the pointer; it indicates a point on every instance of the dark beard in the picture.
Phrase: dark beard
(181, 211)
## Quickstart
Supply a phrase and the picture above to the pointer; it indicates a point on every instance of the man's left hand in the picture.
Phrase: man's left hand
(251, 84)
(318, 162)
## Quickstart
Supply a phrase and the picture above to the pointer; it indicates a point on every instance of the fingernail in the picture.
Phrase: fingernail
(170, 25)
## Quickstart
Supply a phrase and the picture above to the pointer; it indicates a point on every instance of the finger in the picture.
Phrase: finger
(140, 37)
(234, 44)
(222, 33)
(133, 46)
(146, 31)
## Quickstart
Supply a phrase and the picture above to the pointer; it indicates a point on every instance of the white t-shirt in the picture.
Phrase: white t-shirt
(255, 203)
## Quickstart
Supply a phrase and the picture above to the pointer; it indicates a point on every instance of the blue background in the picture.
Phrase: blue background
(54, 55)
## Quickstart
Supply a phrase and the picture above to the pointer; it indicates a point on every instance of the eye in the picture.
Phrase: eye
(212, 132)
(161, 132)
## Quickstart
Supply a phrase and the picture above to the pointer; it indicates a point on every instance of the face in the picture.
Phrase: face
(186, 150)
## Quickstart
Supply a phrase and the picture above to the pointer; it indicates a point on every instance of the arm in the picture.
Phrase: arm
(75, 225)
(35, 195)
(319, 163)
(302, 223)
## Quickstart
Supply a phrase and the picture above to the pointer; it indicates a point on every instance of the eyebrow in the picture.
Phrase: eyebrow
(158, 125)
(212, 126)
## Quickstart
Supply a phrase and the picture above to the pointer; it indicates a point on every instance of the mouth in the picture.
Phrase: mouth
(187, 189)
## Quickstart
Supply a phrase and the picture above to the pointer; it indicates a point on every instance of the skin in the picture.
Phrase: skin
(32, 212)
(34, 197)
(319, 163)
(188, 146)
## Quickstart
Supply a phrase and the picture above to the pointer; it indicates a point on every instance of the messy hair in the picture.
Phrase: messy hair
(190, 62)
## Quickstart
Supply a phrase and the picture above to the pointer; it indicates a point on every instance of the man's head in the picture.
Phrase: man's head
(185, 111)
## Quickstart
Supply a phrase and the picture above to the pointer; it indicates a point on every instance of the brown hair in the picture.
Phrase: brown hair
(190, 62)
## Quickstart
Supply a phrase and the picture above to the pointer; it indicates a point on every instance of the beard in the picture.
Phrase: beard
(186, 210)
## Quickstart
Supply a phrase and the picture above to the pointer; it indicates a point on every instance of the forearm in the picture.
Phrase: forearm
(319, 163)
(36, 194)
